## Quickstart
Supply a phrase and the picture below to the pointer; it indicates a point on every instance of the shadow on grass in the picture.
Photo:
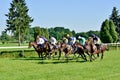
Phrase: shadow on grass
(28, 58)
(51, 61)
(59, 62)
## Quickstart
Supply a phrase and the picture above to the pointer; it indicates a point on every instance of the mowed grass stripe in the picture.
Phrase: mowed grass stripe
(36, 69)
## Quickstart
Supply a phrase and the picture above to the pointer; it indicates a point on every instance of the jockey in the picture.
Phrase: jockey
(96, 41)
(40, 41)
(95, 38)
(65, 40)
(82, 40)
(71, 40)
(53, 41)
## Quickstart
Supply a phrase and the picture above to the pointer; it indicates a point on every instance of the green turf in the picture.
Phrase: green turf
(32, 68)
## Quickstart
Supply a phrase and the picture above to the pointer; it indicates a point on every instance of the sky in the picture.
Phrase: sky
(77, 15)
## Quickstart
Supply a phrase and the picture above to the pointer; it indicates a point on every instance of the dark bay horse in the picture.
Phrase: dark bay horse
(40, 50)
(79, 49)
(67, 49)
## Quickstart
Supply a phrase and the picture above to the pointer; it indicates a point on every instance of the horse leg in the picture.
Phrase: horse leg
(38, 54)
(41, 55)
(59, 55)
(49, 55)
(90, 57)
(102, 54)
(74, 54)
(98, 55)
(93, 54)
(66, 55)
(55, 54)
(84, 56)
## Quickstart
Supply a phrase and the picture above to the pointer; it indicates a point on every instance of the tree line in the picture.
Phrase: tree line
(18, 24)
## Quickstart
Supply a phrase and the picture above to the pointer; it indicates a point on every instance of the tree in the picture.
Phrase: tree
(112, 31)
(18, 21)
(115, 17)
(104, 32)
(4, 37)
(39, 31)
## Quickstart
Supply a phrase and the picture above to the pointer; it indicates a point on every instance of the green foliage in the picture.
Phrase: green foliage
(112, 31)
(104, 32)
(88, 34)
(4, 37)
(18, 21)
(59, 32)
(115, 17)
(39, 31)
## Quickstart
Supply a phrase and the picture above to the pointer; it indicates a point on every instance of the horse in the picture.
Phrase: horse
(79, 49)
(35, 46)
(95, 49)
(40, 50)
(103, 48)
(52, 49)
(67, 49)
(90, 49)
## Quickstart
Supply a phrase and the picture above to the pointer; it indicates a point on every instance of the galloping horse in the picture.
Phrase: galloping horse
(67, 49)
(40, 50)
(79, 49)
(90, 48)
(93, 49)
(103, 48)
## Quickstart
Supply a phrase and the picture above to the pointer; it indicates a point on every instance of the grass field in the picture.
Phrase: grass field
(12, 44)
(32, 68)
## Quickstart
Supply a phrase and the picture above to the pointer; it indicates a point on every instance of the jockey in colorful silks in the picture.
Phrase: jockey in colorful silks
(41, 41)
(96, 41)
(82, 40)
(71, 40)
(65, 40)
(53, 41)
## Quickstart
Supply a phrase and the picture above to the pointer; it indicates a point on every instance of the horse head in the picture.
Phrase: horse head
(104, 47)
(30, 44)
(89, 41)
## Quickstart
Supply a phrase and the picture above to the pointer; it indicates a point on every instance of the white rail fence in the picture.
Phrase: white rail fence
(115, 45)
(13, 47)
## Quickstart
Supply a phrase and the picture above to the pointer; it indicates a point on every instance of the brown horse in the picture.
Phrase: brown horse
(40, 50)
(103, 48)
(90, 48)
(93, 49)
(67, 49)
(79, 49)
(52, 50)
